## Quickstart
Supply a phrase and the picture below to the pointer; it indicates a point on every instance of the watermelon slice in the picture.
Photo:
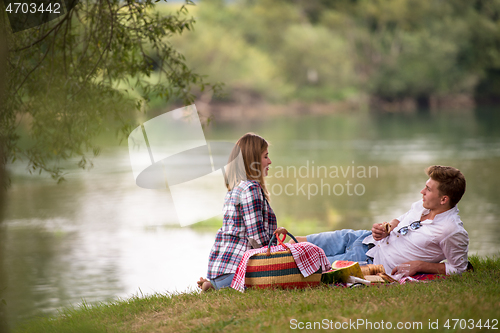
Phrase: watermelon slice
(341, 270)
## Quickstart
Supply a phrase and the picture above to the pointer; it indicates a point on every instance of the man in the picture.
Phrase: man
(423, 237)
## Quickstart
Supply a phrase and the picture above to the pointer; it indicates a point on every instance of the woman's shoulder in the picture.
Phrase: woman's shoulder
(250, 184)
(244, 188)
(246, 185)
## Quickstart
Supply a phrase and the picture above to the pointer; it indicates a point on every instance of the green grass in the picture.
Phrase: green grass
(472, 296)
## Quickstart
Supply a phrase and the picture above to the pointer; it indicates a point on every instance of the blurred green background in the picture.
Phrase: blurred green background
(424, 53)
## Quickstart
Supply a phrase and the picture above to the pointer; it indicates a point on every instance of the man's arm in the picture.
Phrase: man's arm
(419, 266)
(378, 232)
(455, 248)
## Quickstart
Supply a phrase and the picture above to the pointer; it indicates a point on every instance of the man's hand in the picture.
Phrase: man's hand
(414, 268)
(379, 230)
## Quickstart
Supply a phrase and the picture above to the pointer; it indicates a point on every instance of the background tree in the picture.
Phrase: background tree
(3, 56)
(65, 79)
(318, 50)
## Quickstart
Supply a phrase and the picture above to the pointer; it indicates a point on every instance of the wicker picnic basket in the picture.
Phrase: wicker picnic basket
(277, 270)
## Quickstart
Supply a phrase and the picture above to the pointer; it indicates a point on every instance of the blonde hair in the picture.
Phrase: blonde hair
(251, 146)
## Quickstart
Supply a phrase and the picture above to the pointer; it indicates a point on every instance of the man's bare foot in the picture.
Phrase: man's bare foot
(204, 284)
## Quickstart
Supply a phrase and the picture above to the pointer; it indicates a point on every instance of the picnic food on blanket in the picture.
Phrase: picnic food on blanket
(374, 278)
(371, 269)
(338, 264)
(356, 280)
(341, 270)
(386, 277)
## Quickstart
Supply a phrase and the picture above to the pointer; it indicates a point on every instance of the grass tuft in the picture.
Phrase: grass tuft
(471, 296)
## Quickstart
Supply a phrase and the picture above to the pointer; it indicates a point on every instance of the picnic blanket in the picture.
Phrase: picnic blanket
(421, 278)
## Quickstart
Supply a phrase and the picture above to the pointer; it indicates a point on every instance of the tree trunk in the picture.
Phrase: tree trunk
(3, 175)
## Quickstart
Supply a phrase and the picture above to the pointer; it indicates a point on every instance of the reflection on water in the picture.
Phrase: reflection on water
(99, 237)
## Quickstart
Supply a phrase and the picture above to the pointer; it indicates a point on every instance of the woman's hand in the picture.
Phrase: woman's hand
(281, 230)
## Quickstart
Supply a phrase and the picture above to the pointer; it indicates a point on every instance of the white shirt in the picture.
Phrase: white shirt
(436, 240)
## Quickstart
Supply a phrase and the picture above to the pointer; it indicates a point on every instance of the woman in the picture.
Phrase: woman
(249, 220)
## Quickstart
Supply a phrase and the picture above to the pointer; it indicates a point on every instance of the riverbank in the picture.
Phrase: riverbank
(244, 105)
(469, 302)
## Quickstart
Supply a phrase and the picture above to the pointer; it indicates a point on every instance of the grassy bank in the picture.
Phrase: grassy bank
(472, 297)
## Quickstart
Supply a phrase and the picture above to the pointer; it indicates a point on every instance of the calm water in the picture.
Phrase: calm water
(99, 237)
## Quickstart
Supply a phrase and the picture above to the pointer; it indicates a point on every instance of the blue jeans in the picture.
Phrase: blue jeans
(222, 281)
(343, 244)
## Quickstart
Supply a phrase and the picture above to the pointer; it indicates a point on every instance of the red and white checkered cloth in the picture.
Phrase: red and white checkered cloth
(308, 257)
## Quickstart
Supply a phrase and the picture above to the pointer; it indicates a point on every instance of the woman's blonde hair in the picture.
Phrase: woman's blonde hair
(247, 166)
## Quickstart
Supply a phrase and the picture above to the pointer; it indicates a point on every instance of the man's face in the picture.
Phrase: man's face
(430, 195)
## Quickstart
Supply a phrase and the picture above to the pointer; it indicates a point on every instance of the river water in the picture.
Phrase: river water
(98, 237)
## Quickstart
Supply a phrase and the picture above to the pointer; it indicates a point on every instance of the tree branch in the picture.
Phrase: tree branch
(45, 36)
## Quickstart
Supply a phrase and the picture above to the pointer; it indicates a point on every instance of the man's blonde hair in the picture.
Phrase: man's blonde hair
(451, 182)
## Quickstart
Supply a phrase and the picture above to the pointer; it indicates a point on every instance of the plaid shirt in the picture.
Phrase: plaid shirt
(247, 214)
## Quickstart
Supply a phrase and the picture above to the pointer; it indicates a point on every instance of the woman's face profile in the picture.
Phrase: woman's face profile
(265, 161)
